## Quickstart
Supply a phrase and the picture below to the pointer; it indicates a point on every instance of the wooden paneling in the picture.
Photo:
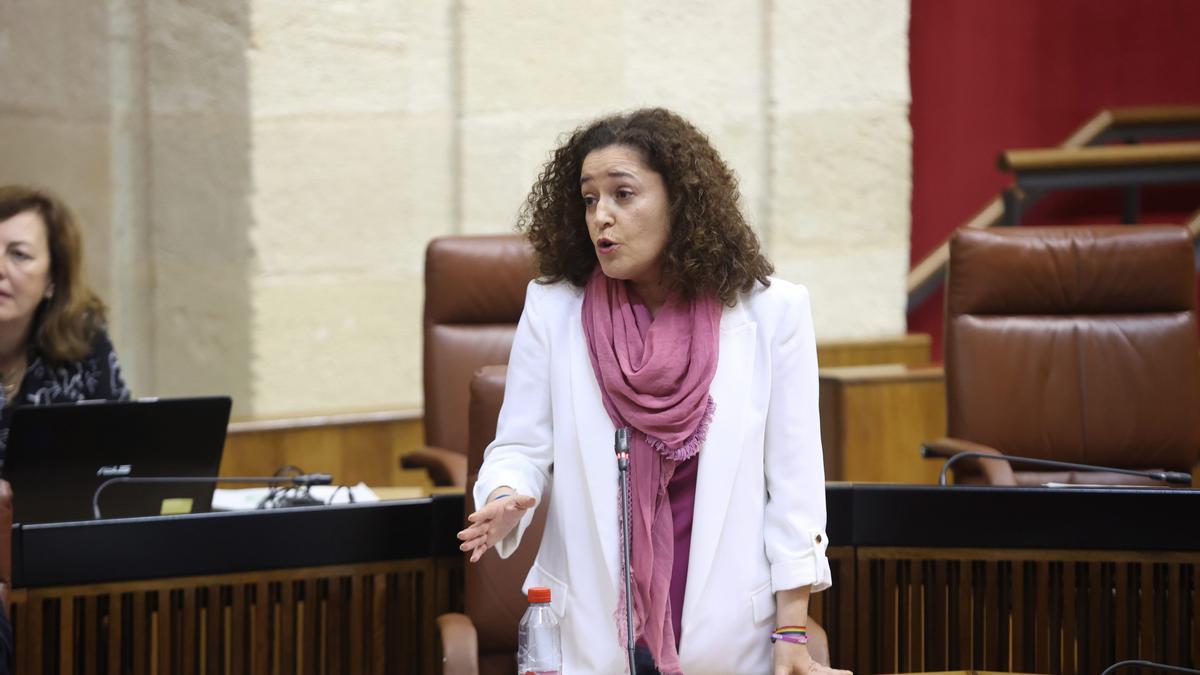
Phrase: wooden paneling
(1034, 611)
(353, 448)
(375, 617)
(834, 608)
(907, 349)
(874, 419)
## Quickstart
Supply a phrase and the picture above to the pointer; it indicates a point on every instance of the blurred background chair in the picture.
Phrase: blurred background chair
(483, 640)
(474, 294)
(7, 654)
(1076, 344)
(6, 522)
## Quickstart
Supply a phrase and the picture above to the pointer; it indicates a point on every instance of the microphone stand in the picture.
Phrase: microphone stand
(308, 479)
(622, 447)
(1174, 477)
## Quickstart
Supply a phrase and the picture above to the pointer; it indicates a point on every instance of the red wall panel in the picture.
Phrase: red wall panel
(991, 75)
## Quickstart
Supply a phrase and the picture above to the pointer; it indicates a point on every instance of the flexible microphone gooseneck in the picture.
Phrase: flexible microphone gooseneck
(305, 480)
(1174, 477)
(622, 448)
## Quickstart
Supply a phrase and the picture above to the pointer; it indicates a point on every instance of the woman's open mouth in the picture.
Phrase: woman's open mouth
(606, 246)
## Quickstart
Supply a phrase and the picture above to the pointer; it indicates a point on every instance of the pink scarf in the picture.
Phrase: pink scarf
(654, 375)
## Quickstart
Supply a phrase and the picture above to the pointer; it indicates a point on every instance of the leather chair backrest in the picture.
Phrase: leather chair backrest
(474, 294)
(1075, 343)
(493, 596)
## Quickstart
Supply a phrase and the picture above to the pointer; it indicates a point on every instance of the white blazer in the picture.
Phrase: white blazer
(760, 491)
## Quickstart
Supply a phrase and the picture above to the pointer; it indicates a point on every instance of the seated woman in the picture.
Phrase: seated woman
(53, 344)
(654, 312)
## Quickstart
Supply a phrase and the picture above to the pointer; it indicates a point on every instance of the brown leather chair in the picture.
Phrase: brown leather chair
(1075, 344)
(483, 641)
(474, 294)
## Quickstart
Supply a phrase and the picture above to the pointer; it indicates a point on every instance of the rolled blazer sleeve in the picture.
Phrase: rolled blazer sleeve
(523, 451)
(794, 464)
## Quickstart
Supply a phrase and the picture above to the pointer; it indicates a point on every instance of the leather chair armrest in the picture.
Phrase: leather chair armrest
(460, 645)
(994, 472)
(445, 467)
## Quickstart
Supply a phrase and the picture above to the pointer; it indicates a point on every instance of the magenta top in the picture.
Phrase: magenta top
(682, 493)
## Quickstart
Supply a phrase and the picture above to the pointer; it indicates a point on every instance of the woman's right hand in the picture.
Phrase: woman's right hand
(488, 525)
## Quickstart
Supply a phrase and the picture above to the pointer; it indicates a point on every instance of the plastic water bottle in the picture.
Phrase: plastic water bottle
(539, 648)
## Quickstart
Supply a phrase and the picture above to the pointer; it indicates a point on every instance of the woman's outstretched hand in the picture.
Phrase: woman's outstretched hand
(493, 522)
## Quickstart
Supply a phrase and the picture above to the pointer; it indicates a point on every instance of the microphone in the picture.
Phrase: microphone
(1173, 477)
(302, 480)
(621, 445)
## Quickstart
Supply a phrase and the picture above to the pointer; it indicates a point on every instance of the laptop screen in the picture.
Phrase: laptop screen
(59, 454)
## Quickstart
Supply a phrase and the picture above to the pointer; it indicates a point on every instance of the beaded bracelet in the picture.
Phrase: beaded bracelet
(793, 634)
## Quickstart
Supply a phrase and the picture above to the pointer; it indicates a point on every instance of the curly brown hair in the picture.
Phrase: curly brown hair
(711, 250)
(65, 325)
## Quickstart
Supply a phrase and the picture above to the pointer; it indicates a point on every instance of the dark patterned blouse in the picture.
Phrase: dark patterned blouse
(96, 376)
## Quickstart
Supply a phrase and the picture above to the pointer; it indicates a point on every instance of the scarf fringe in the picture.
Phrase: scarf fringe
(692, 445)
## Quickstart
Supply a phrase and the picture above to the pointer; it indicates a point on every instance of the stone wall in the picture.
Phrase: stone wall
(260, 177)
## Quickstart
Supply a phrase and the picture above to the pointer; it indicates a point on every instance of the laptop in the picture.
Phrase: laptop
(59, 454)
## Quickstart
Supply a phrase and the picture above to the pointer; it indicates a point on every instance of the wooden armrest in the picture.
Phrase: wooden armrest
(460, 644)
(995, 472)
(445, 467)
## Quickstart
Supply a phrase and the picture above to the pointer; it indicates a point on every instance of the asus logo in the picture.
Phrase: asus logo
(115, 470)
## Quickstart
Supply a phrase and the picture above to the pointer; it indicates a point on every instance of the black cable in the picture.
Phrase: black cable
(349, 494)
(1147, 664)
(289, 468)
(276, 492)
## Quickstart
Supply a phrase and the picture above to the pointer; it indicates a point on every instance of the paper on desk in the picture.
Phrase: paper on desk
(246, 499)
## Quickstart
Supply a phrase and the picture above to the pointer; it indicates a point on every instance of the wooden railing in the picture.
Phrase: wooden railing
(1105, 156)
(1127, 125)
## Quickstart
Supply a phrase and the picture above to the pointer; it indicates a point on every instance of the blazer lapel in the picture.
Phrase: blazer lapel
(596, 436)
(722, 449)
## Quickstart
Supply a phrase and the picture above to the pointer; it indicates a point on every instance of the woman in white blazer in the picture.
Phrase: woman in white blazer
(654, 311)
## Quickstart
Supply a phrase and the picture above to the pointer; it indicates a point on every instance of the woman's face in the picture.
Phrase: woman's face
(628, 215)
(24, 266)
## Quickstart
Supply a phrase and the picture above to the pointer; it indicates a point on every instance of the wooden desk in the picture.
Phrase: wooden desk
(874, 419)
(1010, 579)
(342, 589)
(925, 579)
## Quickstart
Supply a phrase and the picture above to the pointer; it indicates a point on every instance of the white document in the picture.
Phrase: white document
(247, 499)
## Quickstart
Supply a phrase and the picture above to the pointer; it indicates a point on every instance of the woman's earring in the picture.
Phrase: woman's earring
(49, 291)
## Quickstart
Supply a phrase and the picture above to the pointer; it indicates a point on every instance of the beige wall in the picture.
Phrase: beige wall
(260, 177)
